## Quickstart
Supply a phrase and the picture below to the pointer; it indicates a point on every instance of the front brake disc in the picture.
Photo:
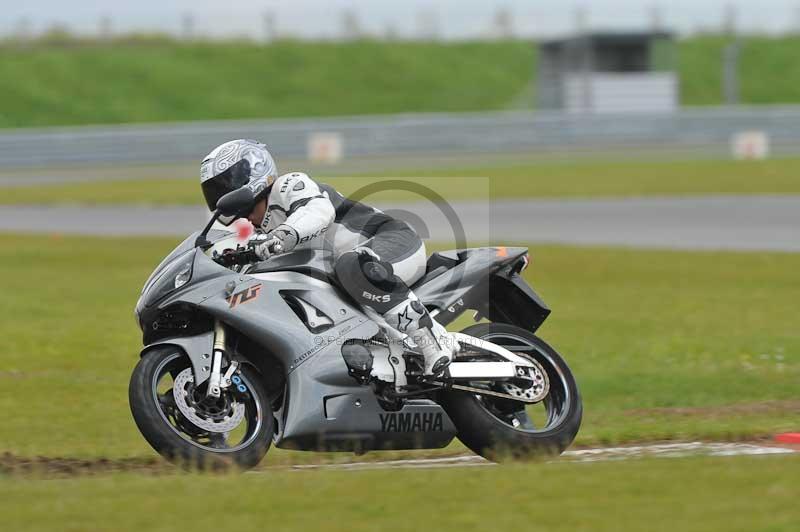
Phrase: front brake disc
(181, 390)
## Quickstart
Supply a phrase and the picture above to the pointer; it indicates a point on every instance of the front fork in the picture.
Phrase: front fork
(217, 381)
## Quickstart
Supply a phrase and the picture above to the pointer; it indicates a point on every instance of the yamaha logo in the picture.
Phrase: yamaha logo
(416, 422)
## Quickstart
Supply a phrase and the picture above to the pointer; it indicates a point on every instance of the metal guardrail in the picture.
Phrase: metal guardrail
(700, 130)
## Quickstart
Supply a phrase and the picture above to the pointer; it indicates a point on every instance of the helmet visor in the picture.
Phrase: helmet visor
(231, 179)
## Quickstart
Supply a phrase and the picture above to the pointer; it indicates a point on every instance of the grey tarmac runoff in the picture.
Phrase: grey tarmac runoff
(742, 223)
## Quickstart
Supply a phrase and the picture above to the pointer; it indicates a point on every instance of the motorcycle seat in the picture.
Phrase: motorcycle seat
(438, 263)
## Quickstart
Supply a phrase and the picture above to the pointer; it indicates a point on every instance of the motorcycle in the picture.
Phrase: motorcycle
(241, 354)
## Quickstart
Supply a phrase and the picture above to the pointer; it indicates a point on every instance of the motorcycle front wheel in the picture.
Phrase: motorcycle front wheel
(498, 428)
(187, 428)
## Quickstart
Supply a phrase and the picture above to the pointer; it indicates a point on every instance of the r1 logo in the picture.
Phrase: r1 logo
(248, 294)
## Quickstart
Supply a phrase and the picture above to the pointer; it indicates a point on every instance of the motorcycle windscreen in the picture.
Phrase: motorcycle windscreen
(214, 235)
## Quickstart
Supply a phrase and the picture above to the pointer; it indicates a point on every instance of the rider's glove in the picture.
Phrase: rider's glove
(285, 237)
(261, 244)
(277, 241)
(262, 247)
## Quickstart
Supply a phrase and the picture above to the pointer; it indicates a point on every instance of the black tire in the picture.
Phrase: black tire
(166, 439)
(487, 435)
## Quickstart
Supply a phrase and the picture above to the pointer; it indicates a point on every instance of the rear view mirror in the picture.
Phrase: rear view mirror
(237, 203)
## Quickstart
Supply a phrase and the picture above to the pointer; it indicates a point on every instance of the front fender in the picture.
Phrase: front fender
(198, 348)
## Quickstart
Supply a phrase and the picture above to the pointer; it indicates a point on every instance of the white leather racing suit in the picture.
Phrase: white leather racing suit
(377, 257)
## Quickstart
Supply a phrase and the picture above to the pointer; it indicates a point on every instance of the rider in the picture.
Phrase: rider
(377, 257)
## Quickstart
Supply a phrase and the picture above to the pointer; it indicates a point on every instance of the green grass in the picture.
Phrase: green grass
(688, 494)
(617, 178)
(161, 80)
(665, 345)
(170, 81)
(529, 180)
(769, 70)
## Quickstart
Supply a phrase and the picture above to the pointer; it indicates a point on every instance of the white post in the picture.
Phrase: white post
(351, 29)
(656, 18)
(428, 25)
(581, 16)
(503, 23)
(23, 31)
(730, 19)
(187, 26)
(270, 26)
(104, 29)
(730, 56)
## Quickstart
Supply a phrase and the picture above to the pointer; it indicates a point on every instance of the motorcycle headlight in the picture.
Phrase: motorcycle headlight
(175, 275)
(183, 276)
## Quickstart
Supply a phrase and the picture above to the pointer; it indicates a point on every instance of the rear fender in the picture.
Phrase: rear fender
(512, 300)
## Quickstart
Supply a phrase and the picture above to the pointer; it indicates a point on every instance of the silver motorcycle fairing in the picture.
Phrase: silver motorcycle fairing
(257, 306)
(323, 409)
(323, 406)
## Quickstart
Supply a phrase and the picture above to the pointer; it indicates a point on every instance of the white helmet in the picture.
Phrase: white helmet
(233, 165)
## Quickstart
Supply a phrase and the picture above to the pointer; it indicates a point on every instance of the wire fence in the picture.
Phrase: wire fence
(442, 20)
(699, 132)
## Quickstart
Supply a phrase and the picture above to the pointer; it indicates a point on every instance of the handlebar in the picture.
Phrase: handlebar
(245, 255)
(236, 257)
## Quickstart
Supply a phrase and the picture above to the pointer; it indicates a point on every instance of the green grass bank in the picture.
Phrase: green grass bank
(157, 80)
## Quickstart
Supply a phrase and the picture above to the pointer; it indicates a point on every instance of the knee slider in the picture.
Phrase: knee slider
(368, 280)
(376, 272)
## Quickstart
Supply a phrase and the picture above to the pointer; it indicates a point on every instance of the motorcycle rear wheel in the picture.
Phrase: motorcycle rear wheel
(176, 438)
(499, 429)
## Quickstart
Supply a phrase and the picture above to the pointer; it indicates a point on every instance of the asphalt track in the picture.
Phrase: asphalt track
(746, 223)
